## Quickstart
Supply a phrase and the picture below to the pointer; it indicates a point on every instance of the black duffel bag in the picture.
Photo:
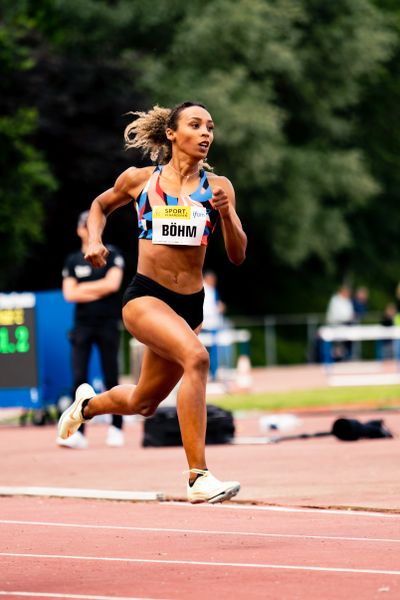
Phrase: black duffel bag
(351, 430)
(162, 429)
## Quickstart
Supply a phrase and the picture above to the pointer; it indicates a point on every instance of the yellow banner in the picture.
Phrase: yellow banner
(171, 212)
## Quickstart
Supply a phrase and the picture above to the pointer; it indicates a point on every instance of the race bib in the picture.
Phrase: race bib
(179, 225)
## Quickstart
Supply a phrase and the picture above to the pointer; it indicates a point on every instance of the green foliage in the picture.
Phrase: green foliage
(21, 190)
(301, 92)
(281, 80)
(378, 252)
(25, 176)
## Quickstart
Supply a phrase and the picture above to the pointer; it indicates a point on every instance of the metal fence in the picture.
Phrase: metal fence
(292, 338)
(276, 339)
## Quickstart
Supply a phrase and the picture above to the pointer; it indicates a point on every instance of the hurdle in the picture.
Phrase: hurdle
(360, 373)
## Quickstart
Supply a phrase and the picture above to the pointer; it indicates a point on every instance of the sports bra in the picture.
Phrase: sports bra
(186, 221)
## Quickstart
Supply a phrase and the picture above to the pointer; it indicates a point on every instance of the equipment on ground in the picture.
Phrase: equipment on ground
(162, 429)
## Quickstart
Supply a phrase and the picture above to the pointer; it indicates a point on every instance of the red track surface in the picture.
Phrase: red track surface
(88, 548)
(321, 472)
(97, 549)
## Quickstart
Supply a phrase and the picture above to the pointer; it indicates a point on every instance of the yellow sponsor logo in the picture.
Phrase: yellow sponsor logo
(171, 212)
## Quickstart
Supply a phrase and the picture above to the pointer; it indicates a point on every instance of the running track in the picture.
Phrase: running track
(96, 550)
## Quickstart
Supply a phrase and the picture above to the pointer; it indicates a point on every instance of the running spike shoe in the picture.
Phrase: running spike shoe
(208, 488)
(72, 417)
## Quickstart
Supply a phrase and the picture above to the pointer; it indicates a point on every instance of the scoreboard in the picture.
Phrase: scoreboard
(35, 351)
(18, 352)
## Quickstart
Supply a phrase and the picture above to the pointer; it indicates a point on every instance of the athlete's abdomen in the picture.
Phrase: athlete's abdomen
(179, 268)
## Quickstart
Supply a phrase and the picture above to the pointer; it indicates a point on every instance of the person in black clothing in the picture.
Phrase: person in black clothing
(96, 322)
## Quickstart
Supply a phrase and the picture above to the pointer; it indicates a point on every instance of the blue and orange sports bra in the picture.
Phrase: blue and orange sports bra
(186, 221)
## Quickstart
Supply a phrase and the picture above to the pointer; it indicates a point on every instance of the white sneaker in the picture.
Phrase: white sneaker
(115, 437)
(208, 488)
(72, 418)
(77, 441)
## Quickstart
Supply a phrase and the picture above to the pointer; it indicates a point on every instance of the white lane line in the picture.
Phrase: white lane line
(81, 493)
(288, 509)
(200, 563)
(160, 497)
(199, 531)
(73, 596)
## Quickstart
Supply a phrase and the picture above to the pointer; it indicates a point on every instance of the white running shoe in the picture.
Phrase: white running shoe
(115, 437)
(72, 418)
(208, 488)
(77, 441)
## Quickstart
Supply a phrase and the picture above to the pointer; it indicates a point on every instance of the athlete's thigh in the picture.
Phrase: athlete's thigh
(156, 325)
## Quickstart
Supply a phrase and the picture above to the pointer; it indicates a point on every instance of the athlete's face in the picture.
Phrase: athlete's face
(194, 133)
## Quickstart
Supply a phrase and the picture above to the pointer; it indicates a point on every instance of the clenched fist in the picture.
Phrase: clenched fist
(96, 254)
(220, 201)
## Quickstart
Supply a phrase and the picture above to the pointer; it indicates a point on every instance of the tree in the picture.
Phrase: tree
(79, 95)
(26, 177)
(377, 254)
(284, 80)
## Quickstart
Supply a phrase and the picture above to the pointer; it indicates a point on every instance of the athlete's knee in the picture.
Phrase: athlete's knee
(147, 410)
(198, 359)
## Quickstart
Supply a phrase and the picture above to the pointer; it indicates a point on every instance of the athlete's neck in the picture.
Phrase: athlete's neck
(186, 173)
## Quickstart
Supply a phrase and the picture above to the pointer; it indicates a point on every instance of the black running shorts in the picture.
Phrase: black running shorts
(187, 306)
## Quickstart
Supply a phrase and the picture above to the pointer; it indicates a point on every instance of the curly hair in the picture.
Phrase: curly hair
(147, 132)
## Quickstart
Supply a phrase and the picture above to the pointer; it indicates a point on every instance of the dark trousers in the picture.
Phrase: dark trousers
(106, 338)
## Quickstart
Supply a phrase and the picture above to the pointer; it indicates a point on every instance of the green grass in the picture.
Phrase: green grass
(343, 397)
(373, 397)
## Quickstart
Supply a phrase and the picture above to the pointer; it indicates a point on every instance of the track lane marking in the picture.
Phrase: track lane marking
(348, 512)
(200, 563)
(198, 531)
(73, 596)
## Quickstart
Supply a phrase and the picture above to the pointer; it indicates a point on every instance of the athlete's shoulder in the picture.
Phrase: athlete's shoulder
(140, 173)
(219, 180)
(134, 176)
(133, 179)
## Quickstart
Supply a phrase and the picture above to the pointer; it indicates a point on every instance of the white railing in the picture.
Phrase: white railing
(225, 337)
(353, 333)
(356, 373)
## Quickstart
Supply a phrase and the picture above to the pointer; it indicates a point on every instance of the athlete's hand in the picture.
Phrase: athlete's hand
(220, 201)
(96, 254)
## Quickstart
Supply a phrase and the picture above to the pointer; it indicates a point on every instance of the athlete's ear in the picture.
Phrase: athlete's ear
(170, 134)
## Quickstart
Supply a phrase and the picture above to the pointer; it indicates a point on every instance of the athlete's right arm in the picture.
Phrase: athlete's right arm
(125, 187)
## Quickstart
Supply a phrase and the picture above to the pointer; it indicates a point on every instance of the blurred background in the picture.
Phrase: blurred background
(305, 95)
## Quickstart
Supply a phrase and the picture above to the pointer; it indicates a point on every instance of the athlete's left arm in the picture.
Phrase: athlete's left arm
(223, 200)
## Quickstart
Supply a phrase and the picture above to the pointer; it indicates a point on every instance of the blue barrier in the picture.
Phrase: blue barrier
(35, 365)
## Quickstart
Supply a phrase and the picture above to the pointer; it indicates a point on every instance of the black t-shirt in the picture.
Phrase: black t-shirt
(108, 307)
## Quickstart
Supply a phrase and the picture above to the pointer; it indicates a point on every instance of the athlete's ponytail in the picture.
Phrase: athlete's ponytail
(147, 132)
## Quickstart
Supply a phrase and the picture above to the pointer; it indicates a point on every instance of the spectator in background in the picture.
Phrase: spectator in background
(397, 298)
(96, 322)
(213, 310)
(340, 311)
(340, 308)
(360, 303)
(389, 314)
(386, 348)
